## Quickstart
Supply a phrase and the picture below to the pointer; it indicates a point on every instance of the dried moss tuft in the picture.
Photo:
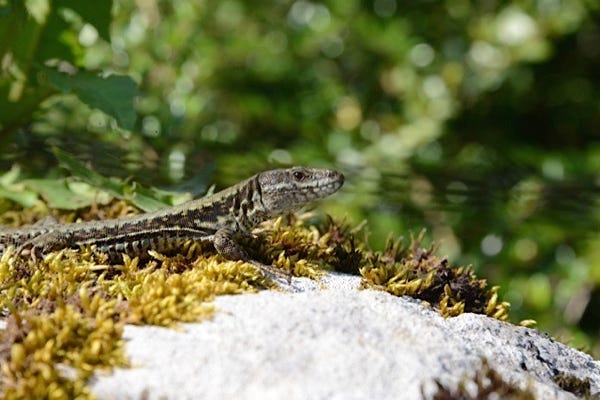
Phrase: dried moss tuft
(486, 384)
(417, 272)
(579, 387)
(308, 244)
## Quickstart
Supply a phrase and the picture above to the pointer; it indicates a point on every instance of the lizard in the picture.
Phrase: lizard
(215, 218)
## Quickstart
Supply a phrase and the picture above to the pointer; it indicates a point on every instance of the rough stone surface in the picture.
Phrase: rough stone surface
(332, 341)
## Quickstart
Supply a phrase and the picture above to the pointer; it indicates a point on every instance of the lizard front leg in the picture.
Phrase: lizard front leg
(227, 247)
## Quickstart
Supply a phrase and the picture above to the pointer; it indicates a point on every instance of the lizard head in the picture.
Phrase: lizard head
(288, 189)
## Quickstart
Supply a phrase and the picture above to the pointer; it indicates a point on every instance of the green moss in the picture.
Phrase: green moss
(486, 384)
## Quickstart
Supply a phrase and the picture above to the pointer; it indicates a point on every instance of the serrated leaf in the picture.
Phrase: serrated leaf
(114, 94)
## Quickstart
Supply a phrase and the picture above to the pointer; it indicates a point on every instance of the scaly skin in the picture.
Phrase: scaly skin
(216, 218)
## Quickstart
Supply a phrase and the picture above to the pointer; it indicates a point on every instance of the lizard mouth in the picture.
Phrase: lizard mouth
(333, 186)
(335, 180)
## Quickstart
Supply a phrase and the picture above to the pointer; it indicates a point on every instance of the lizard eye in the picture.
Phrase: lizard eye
(299, 175)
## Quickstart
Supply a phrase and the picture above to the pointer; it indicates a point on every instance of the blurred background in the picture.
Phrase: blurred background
(478, 121)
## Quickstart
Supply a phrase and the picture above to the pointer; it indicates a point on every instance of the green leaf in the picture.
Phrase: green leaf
(57, 193)
(147, 199)
(96, 13)
(57, 40)
(114, 94)
(80, 170)
(25, 198)
(11, 189)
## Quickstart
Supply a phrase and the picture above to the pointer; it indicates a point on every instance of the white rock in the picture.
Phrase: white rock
(335, 342)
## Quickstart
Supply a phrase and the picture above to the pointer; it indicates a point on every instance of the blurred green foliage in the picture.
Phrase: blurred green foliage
(477, 120)
(42, 42)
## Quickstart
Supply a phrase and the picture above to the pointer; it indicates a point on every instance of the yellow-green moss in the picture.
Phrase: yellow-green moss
(51, 355)
(303, 245)
(67, 309)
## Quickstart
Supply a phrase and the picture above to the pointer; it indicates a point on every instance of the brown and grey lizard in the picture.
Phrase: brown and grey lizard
(216, 218)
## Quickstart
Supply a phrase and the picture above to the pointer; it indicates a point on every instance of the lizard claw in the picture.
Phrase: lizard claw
(29, 249)
(281, 277)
